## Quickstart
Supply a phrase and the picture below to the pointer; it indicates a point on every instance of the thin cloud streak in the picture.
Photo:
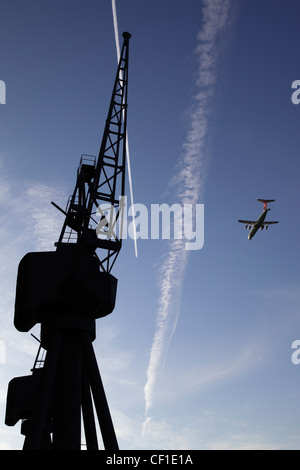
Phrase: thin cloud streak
(116, 28)
(116, 31)
(189, 182)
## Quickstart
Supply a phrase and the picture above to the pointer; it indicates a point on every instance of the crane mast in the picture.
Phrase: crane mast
(66, 291)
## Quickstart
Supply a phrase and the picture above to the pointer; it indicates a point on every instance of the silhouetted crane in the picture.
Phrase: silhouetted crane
(66, 290)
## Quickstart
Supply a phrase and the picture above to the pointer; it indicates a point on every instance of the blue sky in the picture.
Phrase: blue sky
(210, 118)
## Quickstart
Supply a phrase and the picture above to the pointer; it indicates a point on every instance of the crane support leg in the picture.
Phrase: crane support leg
(70, 384)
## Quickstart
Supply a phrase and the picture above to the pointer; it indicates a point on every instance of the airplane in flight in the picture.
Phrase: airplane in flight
(260, 223)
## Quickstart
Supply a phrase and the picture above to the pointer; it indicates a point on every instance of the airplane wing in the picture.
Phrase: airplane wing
(247, 222)
(268, 223)
(266, 200)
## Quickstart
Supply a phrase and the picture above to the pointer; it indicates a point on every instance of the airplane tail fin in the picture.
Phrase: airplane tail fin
(265, 201)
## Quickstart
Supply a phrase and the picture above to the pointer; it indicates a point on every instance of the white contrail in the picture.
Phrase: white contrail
(190, 179)
(116, 30)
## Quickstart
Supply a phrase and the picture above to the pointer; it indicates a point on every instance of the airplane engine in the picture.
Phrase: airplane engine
(266, 227)
(262, 227)
(246, 226)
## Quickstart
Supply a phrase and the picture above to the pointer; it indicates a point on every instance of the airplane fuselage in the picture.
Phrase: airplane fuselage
(258, 224)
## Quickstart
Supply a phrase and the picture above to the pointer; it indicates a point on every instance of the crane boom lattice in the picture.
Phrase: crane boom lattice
(95, 209)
